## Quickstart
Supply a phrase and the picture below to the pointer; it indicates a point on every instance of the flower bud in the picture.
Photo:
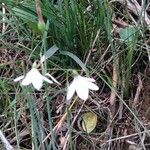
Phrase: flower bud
(41, 26)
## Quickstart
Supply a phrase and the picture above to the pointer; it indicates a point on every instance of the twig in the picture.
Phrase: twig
(5, 141)
(93, 44)
(61, 121)
(138, 91)
(120, 23)
(39, 11)
(124, 137)
(134, 7)
(67, 134)
(113, 97)
(114, 80)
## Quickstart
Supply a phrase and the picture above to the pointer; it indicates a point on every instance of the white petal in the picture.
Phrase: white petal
(30, 76)
(71, 90)
(47, 80)
(47, 74)
(82, 86)
(37, 79)
(28, 79)
(90, 79)
(82, 90)
(78, 77)
(19, 78)
(93, 86)
(37, 83)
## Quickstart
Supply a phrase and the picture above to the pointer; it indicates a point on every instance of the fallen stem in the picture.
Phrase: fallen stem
(5, 141)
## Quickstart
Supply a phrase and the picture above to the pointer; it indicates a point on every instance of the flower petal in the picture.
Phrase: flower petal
(28, 79)
(33, 74)
(93, 86)
(37, 83)
(47, 80)
(82, 90)
(19, 78)
(89, 79)
(47, 74)
(37, 79)
(71, 90)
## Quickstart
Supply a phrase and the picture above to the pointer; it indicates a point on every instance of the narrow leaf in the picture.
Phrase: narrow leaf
(75, 58)
(25, 14)
(49, 53)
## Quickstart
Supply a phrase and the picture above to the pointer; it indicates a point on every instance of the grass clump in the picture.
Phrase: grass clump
(104, 40)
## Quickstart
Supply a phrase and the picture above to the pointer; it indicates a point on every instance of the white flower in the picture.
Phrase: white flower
(34, 77)
(81, 85)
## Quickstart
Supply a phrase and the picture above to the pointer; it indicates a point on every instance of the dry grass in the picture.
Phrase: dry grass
(122, 103)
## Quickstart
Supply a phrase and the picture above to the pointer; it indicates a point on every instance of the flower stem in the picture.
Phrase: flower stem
(59, 124)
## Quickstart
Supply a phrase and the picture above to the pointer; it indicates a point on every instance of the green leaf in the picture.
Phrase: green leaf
(128, 34)
(49, 53)
(89, 121)
(25, 15)
(75, 58)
